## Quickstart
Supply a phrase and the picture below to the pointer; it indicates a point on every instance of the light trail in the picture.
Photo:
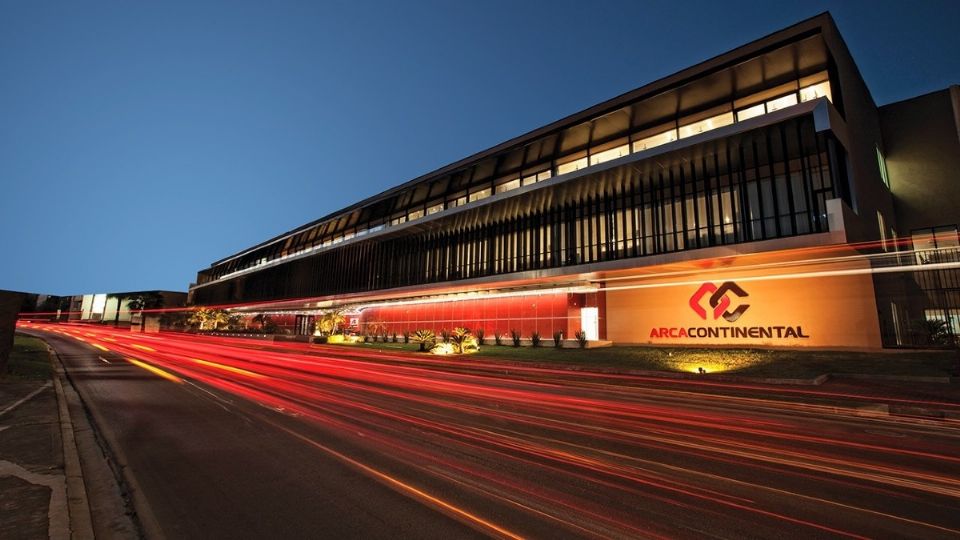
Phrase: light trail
(585, 454)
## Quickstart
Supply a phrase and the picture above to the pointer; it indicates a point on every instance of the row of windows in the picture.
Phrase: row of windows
(768, 101)
(772, 184)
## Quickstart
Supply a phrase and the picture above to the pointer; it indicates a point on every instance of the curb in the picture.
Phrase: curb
(78, 507)
(815, 381)
(900, 378)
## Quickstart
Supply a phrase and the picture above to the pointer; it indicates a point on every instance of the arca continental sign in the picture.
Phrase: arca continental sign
(721, 301)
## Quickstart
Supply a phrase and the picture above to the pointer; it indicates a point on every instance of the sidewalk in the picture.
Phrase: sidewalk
(33, 490)
(43, 493)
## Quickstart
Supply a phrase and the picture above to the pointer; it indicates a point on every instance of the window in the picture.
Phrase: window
(398, 220)
(570, 166)
(781, 102)
(950, 317)
(482, 194)
(702, 126)
(609, 155)
(928, 242)
(815, 91)
(882, 165)
(751, 112)
(655, 140)
(416, 214)
(533, 178)
(435, 208)
(508, 185)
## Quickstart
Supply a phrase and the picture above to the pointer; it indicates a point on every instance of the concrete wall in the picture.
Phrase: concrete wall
(869, 193)
(922, 137)
(10, 304)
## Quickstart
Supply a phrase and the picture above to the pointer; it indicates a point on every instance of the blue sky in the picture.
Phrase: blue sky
(141, 141)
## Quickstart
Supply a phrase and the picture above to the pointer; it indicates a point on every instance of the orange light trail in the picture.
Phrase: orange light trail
(155, 370)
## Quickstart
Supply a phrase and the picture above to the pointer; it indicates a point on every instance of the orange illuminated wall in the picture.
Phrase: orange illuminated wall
(835, 308)
(545, 313)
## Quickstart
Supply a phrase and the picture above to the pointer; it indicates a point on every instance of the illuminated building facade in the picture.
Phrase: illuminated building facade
(737, 198)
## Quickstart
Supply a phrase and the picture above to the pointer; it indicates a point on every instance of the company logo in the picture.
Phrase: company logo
(719, 300)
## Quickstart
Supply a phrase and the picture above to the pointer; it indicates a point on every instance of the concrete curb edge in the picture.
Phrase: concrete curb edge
(78, 507)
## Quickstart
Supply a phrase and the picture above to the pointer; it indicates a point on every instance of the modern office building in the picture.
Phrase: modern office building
(758, 198)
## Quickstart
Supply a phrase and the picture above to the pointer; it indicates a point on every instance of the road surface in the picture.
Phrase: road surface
(232, 438)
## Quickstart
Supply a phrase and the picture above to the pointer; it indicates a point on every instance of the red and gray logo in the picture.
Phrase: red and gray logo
(719, 300)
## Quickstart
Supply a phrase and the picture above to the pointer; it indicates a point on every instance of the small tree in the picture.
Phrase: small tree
(498, 337)
(330, 322)
(558, 339)
(265, 323)
(535, 338)
(145, 301)
(426, 339)
(208, 319)
(515, 336)
(479, 336)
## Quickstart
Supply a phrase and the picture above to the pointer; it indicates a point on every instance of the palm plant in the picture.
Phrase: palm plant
(480, 334)
(558, 339)
(535, 338)
(515, 336)
(581, 338)
(424, 337)
(462, 340)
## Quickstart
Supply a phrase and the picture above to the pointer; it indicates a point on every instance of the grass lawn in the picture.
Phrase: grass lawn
(747, 362)
(28, 360)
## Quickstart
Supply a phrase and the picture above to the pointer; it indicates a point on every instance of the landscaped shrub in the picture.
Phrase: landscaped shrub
(426, 338)
(394, 337)
(535, 338)
(406, 336)
(463, 341)
(581, 338)
(498, 337)
(479, 336)
(445, 336)
(515, 336)
(558, 339)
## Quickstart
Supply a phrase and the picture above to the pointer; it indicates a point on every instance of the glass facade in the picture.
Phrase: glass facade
(604, 139)
(768, 183)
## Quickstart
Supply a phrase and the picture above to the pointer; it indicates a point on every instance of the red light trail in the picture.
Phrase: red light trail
(586, 454)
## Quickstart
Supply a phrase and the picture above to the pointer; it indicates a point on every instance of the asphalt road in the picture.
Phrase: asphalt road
(226, 438)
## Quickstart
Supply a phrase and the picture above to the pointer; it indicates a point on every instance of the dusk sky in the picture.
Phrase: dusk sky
(141, 141)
